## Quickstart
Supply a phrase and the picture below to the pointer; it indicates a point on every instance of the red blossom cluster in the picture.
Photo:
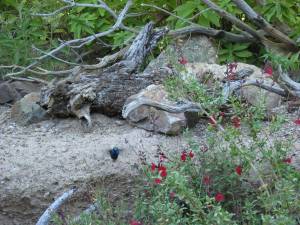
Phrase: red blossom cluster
(184, 155)
(297, 121)
(162, 170)
(219, 197)
(182, 61)
(135, 222)
(239, 170)
(236, 121)
(268, 70)
(230, 72)
(287, 160)
(207, 180)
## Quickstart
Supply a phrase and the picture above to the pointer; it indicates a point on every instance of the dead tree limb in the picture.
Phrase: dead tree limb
(107, 89)
(52, 209)
(291, 86)
(218, 34)
(240, 24)
(260, 22)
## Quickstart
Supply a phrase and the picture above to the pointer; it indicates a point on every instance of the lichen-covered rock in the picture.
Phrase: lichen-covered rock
(252, 94)
(8, 93)
(155, 119)
(27, 111)
(193, 49)
(12, 91)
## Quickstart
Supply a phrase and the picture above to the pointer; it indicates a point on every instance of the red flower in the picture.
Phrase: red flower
(135, 222)
(163, 173)
(239, 170)
(153, 167)
(236, 122)
(297, 121)
(268, 70)
(183, 156)
(206, 180)
(212, 120)
(172, 195)
(287, 160)
(157, 180)
(182, 61)
(219, 197)
(161, 168)
(232, 66)
(222, 114)
(191, 154)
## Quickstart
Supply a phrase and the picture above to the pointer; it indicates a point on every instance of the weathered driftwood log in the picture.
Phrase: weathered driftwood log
(105, 90)
(52, 209)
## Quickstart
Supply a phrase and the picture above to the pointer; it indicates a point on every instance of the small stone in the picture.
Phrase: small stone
(120, 122)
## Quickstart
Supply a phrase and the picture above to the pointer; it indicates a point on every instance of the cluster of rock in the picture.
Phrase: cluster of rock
(200, 59)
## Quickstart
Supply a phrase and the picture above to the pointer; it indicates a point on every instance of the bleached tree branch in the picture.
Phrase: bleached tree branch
(240, 24)
(197, 29)
(259, 21)
(46, 217)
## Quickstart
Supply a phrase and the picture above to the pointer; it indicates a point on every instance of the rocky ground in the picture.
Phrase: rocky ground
(42, 160)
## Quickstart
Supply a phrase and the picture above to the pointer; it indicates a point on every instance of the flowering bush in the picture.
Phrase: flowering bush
(236, 180)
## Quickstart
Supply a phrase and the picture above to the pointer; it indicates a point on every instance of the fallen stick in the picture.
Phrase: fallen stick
(92, 208)
(46, 217)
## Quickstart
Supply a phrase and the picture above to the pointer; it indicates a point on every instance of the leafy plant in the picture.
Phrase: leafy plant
(234, 53)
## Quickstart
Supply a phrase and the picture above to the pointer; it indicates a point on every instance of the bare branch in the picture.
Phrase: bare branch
(230, 87)
(80, 42)
(29, 79)
(196, 28)
(240, 24)
(55, 57)
(263, 24)
(292, 86)
(38, 71)
(46, 217)
(219, 34)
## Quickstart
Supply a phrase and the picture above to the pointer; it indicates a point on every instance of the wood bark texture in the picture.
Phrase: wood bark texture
(105, 89)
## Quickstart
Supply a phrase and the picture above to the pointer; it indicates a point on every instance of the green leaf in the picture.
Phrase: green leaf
(243, 54)
(238, 47)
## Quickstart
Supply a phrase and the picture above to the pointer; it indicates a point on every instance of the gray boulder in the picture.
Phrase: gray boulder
(156, 118)
(27, 111)
(196, 48)
(12, 91)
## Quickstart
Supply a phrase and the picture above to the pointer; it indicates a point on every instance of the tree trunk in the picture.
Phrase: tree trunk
(105, 90)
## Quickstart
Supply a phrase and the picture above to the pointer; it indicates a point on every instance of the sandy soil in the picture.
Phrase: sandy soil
(39, 162)
(42, 160)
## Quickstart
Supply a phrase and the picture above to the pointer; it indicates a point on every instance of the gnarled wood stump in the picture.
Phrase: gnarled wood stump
(105, 90)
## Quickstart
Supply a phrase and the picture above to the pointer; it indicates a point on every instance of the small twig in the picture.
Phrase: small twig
(29, 79)
(55, 57)
(219, 34)
(91, 209)
(46, 217)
